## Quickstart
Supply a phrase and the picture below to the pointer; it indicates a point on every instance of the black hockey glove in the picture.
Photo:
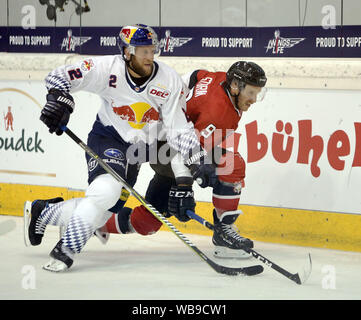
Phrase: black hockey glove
(202, 169)
(204, 174)
(181, 199)
(57, 110)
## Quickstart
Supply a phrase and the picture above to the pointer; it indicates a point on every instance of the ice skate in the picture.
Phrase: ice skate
(33, 229)
(62, 259)
(228, 243)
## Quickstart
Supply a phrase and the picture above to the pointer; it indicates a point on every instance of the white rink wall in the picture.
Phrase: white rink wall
(282, 72)
(302, 144)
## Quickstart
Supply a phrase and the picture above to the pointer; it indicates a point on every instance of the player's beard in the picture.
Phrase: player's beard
(139, 69)
(243, 104)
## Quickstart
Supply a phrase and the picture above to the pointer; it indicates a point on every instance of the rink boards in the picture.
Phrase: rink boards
(268, 224)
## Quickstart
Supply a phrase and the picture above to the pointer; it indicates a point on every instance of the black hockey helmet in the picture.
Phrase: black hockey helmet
(246, 73)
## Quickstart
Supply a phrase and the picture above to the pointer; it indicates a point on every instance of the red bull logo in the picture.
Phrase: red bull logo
(138, 114)
(87, 65)
(126, 34)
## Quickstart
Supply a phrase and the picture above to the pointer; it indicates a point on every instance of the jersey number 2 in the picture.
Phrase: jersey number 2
(75, 74)
(113, 81)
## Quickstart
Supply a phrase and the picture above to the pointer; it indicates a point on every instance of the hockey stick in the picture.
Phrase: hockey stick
(249, 271)
(299, 278)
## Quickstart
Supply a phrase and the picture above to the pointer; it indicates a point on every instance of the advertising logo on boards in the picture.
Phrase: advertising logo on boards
(278, 44)
(71, 42)
(169, 43)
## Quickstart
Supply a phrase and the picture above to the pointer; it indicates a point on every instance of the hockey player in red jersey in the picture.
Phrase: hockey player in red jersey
(215, 105)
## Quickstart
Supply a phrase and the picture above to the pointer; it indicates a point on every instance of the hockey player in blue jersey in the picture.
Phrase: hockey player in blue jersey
(140, 97)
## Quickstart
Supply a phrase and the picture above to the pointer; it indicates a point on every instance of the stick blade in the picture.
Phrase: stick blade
(302, 276)
(246, 271)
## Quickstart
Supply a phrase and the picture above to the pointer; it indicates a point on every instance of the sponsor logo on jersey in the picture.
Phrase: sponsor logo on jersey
(114, 153)
(92, 164)
(137, 114)
(158, 92)
(169, 43)
(71, 42)
(114, 161)
(87, 65)
(278, 44)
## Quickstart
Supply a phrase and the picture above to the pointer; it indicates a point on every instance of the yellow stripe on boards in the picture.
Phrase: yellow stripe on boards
(277, 225)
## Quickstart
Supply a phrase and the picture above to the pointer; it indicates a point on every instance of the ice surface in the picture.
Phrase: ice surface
(161, 267)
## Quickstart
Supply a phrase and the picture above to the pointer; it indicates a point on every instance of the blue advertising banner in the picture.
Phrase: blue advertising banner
(193, 41)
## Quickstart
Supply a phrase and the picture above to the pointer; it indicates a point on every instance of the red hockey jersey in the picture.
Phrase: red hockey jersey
(211, 110)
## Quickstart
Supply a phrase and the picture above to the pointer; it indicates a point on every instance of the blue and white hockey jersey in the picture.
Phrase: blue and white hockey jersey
(145, 112)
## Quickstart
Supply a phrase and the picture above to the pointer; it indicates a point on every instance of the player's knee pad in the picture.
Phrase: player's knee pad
(231, 168)
(104, 191)
(143, 221)
(90, 213)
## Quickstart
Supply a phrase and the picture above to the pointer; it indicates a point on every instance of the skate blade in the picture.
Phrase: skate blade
(27, 218)
(55, 266)
(226, 253)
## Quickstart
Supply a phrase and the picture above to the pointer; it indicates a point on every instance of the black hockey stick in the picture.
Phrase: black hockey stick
(299, 278)
(249, 271)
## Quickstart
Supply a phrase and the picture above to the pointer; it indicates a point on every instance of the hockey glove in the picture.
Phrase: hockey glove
(57, 110)
(204, 174)
(202, 170)
(181, 199)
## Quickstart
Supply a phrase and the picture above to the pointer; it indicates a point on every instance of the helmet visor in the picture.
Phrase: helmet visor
(145, 52)
(253, 93)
